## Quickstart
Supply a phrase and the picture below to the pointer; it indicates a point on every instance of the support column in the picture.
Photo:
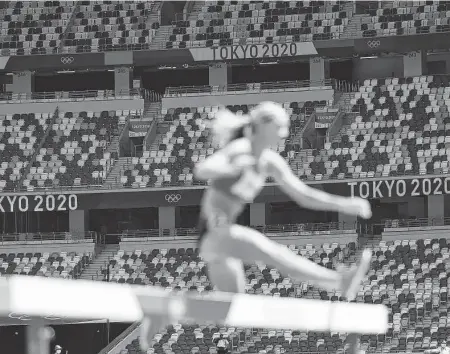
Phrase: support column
(123, 77)
(219, 74)
(167, 219)
(257, 214)
(78, 223)
(319, 70)
(22, 82)
(414, 63)
(38, 338)
(417, 207)
(436, 208)
(347, 221)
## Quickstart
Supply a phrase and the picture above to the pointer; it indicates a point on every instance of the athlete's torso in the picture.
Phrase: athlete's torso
(227, 196)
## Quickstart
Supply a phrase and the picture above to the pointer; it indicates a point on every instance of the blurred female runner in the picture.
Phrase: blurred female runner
(237, 173)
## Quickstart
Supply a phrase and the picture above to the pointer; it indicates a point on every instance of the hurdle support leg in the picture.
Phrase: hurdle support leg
(38, 338)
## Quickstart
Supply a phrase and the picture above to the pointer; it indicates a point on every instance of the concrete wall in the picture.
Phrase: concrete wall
(228, 98)
(317, 70)
(436, 206)
(78, 221)
(219, 74)
(123, 77)
(23, 82)
(414, 63)
(411, 64)
(72, 106)
(439, 57)
(377, 67)
(46, 246)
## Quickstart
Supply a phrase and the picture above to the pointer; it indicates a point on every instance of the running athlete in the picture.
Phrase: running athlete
(237, 173)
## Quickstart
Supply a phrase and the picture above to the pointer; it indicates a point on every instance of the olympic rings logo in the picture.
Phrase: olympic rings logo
(17, 316)
(373, 44)
(67, 60)
(172, 198)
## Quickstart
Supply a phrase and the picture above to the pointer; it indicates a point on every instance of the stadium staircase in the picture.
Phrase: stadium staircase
(387, 4)
(161, 131)
(113, 178)
(113, 145)
(354, 23)
(302, 156)
(196, 9)
(343, 102)
(114, 149)
(154, 16)
(94, 270)
(152, 110)
(160, 38)
(76, 9)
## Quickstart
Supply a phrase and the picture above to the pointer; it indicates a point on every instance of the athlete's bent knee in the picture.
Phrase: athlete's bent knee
(227, 274)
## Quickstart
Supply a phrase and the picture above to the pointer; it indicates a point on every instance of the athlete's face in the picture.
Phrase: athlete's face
(270, 133)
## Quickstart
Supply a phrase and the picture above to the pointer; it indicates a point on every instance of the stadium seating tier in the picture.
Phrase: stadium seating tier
(225, 23)
(187, 141)
(20, 135)
(56, 264)
(409, 277)
(74, 152)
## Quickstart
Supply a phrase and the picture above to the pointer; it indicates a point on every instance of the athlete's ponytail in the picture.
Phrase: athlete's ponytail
(227, 126)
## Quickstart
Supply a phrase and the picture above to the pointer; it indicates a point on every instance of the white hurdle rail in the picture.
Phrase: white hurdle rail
(127, 303)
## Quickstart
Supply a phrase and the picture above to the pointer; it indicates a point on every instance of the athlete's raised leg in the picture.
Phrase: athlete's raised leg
(151, 327)
(250, 245)
(227, 274)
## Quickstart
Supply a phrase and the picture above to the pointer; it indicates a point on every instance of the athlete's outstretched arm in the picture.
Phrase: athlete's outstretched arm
(312, 198)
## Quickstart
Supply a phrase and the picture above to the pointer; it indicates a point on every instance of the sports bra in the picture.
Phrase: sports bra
(245, 187)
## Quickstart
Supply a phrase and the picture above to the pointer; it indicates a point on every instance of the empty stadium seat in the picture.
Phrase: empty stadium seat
(75, 151)
(409, 277)
(105, 26)
(20, 135)
(56, 264)
(32, 27)
(406, 17)
(402, 127)
(187, 142)
(248, 22)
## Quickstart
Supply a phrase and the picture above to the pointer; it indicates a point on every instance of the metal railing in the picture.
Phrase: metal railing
(415, 223)
(279, 230)
(63, 96)
(257, 40)
(295, 167)
(280, 86)
(298, 169)
(46, 237)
